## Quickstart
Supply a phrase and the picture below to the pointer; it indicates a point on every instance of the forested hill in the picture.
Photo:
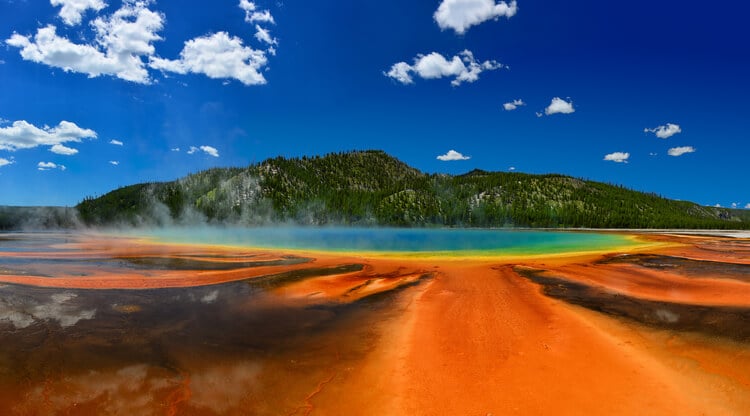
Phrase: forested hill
(373, 188)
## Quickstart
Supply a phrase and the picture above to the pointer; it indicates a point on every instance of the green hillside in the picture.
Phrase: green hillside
(373, 188)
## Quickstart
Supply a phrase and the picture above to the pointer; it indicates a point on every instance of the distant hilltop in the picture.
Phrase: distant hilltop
(369, 188)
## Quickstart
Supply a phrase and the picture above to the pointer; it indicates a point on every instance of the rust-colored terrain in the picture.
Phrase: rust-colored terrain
(103, 325)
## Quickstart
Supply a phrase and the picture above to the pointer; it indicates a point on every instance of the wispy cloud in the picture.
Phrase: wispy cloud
(460, 15)
(115, 142)
(559, 106)
(24, 135)
(453, 155)
(513, 105)
(679, 151)
(6, 162)
(617, 157)
(462, 68)
(114, 162)
(49, 166)
(664, 132)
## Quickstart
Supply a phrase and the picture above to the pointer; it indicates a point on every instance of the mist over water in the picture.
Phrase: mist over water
(395, 240)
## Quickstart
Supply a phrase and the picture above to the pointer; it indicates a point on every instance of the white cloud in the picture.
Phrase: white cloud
(462, 68)
(6, 162)
(664, 132)
(460, 15)
(263, 35)
(747, 206)
(72, 10)
(559, 106)
(452, 155)
(735, 204)
(652, 154)
(115, 142)
(617, 157)
(49, 165)
(192, 150)
(217, 56)
(175, 149)
(114, 162)
(24, 135)
(512, 168)
(513, 105)
(679, 151)
(253, 15)
(63, 150)
(122, 39)
(211, 151)
(717, 205)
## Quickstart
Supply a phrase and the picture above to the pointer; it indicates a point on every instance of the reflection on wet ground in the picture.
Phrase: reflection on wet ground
(727, 321)
(684, 266)
(93, 325)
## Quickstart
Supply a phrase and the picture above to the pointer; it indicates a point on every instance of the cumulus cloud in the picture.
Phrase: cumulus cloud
(122, 40)
(679, 151)
(49, 166)
(617, 157)
(114, 162)
(6, 162)
(115, 142)
(24, 135)
(211, 151)
(460, 15)
(72, 10)
(513, 105)
(452, 155)
(664, 132)
(747, 206)
(253, 15)
(63, 150)
(217, 56)
(559, 106)
(462, 68)
(735, 204)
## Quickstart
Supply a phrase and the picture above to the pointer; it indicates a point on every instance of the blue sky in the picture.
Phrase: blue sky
(650, 95)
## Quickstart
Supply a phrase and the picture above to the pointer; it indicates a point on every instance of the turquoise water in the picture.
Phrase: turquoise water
(398, 240)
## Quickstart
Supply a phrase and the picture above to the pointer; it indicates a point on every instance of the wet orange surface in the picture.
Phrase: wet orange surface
(652, 331)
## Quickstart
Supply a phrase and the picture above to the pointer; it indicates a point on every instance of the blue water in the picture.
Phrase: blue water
(397, 239)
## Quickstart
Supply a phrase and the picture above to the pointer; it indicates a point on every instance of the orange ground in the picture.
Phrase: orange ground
(476, 338)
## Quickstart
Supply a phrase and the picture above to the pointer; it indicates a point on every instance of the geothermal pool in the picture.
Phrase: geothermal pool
(362, 321)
